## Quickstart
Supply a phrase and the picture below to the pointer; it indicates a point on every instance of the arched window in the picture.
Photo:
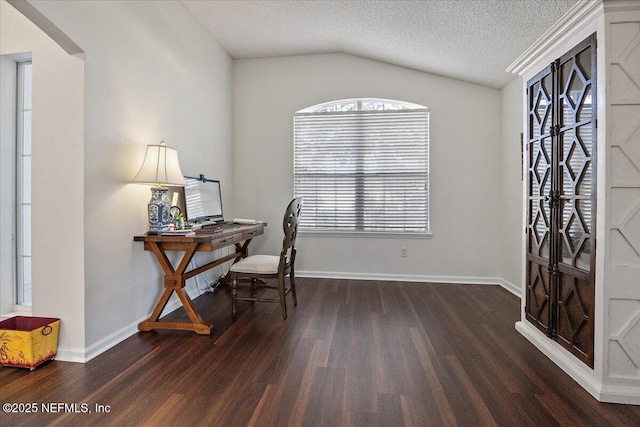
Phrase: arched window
(362, 166)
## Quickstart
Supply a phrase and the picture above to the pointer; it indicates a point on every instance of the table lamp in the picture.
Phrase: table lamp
(159, 168)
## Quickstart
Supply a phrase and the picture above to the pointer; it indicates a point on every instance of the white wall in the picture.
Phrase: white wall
(465, 162)
(57, 177)
(511, 223)
(152, 73)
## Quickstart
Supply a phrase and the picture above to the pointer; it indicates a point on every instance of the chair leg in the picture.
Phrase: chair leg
(292, 283)
(253, 288)
(283, 301)
(234, 293)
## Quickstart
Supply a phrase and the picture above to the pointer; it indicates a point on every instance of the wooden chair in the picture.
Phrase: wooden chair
(260, 268)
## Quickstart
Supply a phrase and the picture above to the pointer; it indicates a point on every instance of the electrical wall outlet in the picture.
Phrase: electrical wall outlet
(403, 252)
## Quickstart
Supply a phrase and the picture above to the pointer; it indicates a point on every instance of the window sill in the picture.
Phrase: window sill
(23, 310)
(426, 235)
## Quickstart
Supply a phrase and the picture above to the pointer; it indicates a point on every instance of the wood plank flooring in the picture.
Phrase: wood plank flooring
(353, 353)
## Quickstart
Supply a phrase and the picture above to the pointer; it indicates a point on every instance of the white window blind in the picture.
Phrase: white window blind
(363, 169)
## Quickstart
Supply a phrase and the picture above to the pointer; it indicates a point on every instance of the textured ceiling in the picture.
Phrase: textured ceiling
(472, 40)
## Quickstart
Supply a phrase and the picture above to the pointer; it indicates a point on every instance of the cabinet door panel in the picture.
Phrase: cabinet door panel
(539, 161)
(575, 316)
(576, 167)
(538, 308)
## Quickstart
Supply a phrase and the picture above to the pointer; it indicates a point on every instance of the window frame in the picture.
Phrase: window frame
(19, 300)
(12, 297)
(395, 105)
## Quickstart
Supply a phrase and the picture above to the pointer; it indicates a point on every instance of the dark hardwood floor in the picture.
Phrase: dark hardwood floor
(351, 353)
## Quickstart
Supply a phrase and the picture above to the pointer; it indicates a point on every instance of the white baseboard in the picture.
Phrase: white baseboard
(464, 280)
(71, 354)
(83, 355)
(514, 289)
(113, 339)
(580, 373)
(558, 355)
(620, 394)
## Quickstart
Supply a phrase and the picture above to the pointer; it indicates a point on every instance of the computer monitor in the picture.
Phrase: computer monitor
(203, 200)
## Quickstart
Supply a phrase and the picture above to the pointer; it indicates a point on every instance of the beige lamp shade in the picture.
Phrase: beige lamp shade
(160, 167)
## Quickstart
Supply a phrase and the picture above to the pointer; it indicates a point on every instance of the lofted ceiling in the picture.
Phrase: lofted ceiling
(471, 40)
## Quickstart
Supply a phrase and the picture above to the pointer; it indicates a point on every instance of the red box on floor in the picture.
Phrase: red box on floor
(26, 342)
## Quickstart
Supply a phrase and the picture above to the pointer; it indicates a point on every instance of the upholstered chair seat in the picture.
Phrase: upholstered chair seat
(258, 264)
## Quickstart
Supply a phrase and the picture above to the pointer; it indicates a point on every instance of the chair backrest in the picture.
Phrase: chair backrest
(290, 228)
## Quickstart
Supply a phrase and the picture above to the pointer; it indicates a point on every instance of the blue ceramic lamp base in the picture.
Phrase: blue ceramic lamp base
(159, 207)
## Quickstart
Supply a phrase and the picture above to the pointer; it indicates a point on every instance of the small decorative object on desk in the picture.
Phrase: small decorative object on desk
(180, 222)
(245, 221)
(174, 211)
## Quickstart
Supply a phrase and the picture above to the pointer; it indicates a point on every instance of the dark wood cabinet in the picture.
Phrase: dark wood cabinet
(561, 200)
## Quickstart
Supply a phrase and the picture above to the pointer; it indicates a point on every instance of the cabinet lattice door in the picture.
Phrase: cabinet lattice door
(561, 149)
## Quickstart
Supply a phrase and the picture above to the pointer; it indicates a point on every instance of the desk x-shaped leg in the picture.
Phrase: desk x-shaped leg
(174, 281)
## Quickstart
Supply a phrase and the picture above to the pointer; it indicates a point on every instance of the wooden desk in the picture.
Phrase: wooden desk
(174, 279)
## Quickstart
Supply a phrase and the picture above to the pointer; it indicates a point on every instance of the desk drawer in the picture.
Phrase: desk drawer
(226, 240)
(251, 233)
